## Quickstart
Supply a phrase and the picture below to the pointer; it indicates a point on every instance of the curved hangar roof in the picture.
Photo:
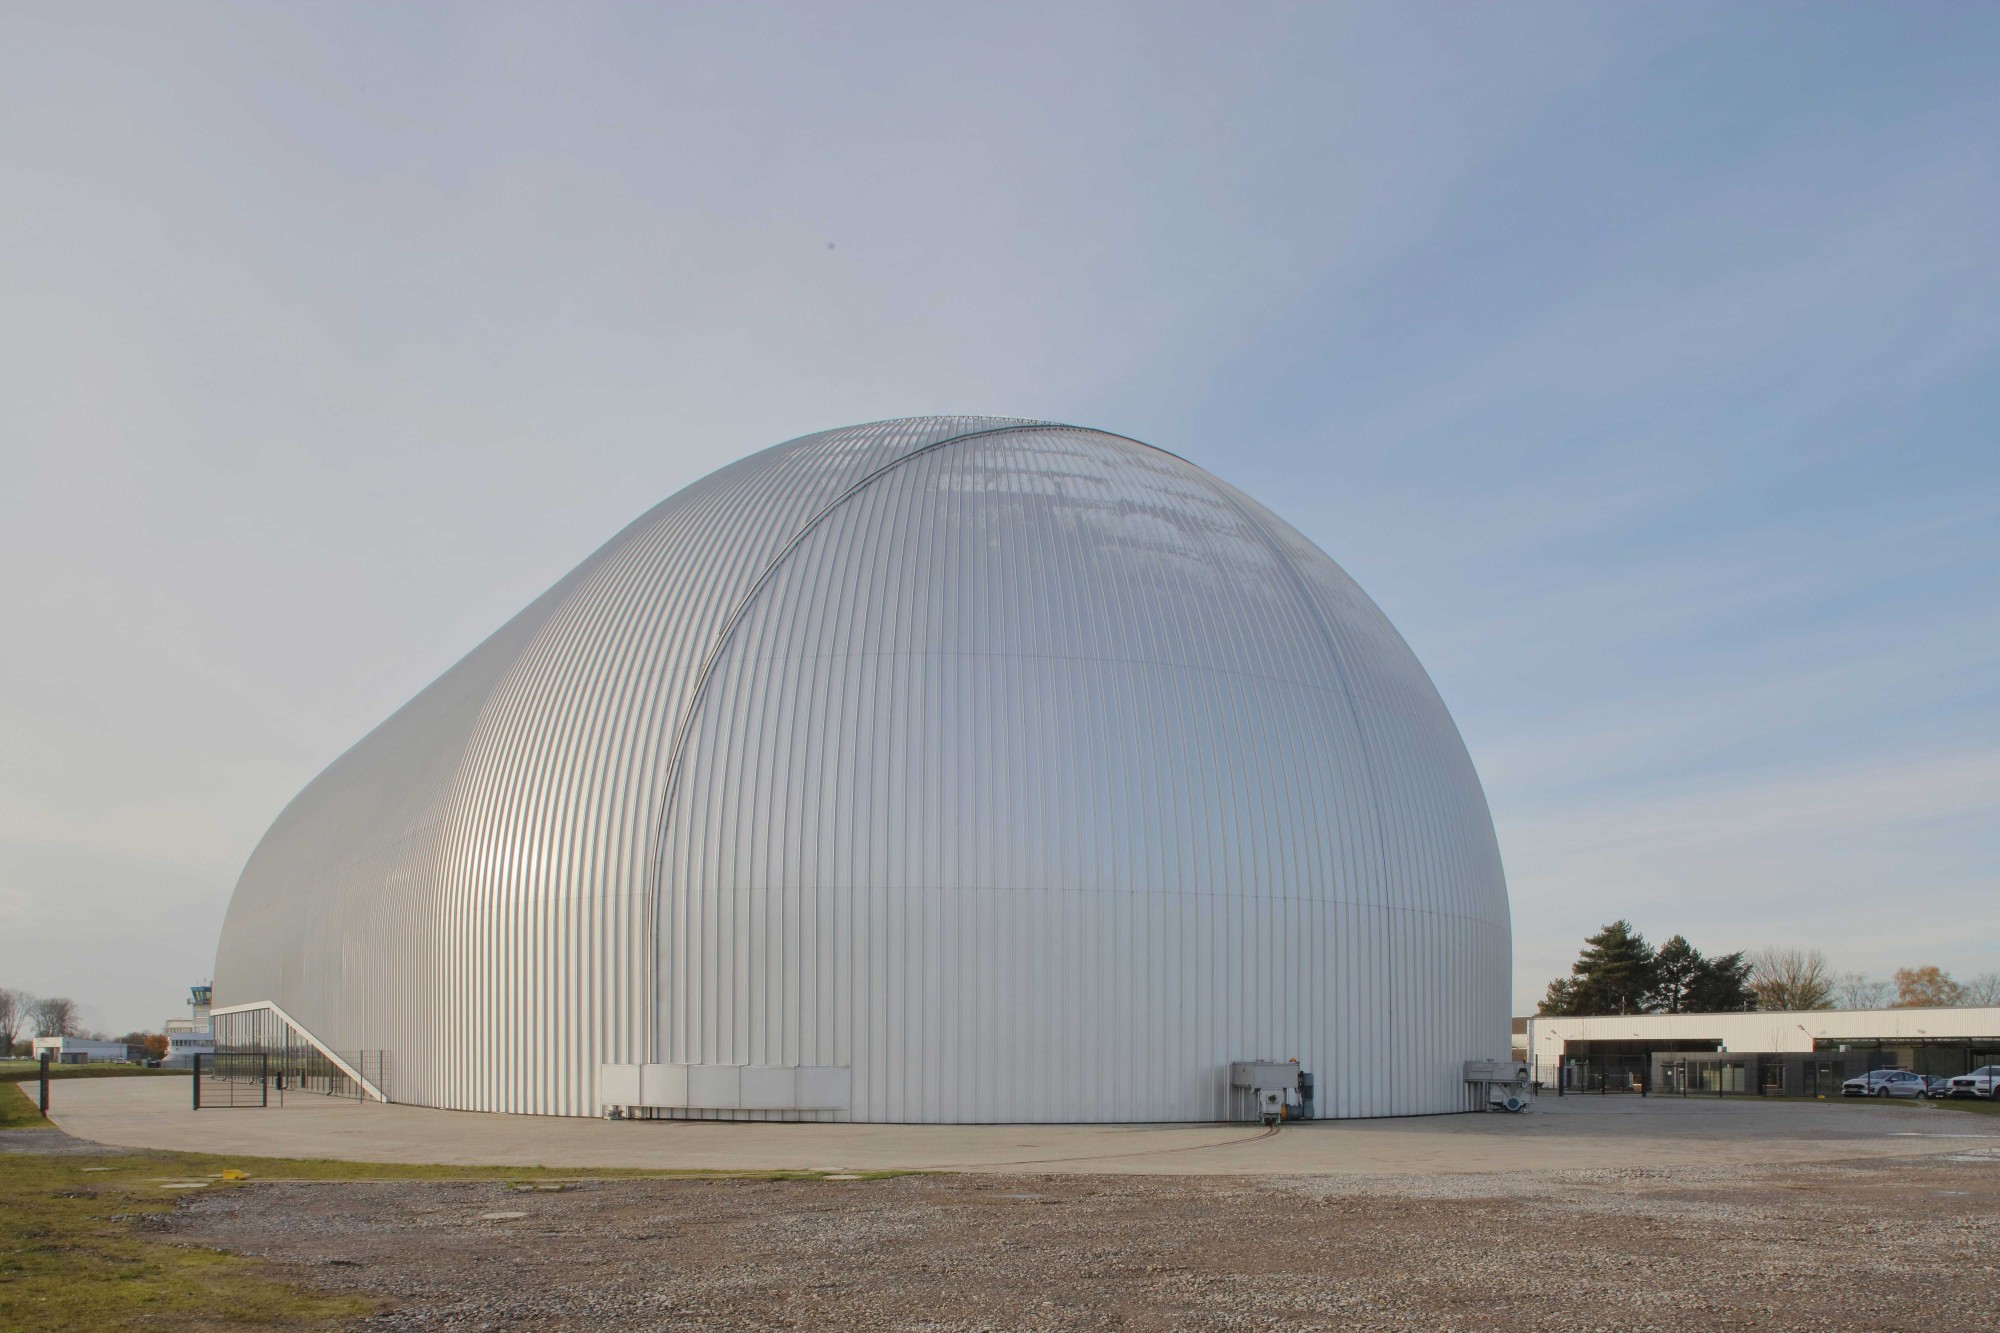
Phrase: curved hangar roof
(982, 770)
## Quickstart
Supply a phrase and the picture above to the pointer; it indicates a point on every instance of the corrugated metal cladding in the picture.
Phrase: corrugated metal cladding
(1027, 772)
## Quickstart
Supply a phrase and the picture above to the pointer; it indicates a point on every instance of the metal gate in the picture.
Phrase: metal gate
(230, 1079)
(1596, 1074)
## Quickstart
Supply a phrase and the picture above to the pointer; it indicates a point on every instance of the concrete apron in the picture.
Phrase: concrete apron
(1571, 1133)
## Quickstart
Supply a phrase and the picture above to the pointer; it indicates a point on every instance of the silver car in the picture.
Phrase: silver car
(1885, 1083)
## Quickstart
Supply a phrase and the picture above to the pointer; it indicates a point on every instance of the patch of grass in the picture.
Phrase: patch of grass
(196, 1166)
(75, 1251)
(1974, 1105)
(21, 1112)
(74, 1255)
(28, 1071)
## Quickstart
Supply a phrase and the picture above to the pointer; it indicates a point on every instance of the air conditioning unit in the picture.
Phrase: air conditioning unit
(1499, 1085)
(1277, 1089)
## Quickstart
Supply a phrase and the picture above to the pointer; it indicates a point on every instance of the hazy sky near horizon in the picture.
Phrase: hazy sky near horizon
(1642, 361)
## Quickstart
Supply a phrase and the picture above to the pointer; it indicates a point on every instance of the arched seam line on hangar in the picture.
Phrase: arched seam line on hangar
(684, 724)
(1298, 582)
(656, 840)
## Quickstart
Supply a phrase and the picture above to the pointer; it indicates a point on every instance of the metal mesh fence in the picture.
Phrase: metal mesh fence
(239, 1077)
(1597, 1075)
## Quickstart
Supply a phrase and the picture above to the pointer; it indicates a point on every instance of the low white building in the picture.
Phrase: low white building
(184, 1044)
(1942, 1041)
(78, 1050)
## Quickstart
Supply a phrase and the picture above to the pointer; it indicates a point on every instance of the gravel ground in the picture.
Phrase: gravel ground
(1876, 1244)
(48, 1143)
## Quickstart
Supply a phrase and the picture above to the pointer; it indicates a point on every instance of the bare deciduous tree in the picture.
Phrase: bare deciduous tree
(1854, 991)
(1926, 987)
(56, 1016)
(1791, 979)
(13, 1012)
(1982, 989)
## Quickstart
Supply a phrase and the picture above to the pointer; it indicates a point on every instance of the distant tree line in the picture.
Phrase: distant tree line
(28, 1016)
(1618, 972)
(24, 1017)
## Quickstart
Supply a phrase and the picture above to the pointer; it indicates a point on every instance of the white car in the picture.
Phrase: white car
(1979, 1083)
(1885, 1083)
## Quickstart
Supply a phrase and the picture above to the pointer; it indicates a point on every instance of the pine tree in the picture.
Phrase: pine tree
(1677, 970)
(1559, 1001)
(1618, 973)
(1614, 973)
(1721, 985)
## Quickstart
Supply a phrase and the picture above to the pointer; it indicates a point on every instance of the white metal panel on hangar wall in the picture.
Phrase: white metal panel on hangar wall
(1030, 772)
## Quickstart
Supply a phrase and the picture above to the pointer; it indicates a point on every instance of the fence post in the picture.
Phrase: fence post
(264, 1081)
(197, 1083)
(45, 1085)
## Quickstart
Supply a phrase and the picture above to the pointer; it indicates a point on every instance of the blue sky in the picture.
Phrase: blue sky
(1642, 361)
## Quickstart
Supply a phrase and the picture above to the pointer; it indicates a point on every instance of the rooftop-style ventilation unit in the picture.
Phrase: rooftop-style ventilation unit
(1271, 1090)
(1499, 1085)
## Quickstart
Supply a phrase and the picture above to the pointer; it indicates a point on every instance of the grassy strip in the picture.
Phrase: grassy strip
(27, 1071)
(1972, 1104)
(75, 1253)
(22, 1112)
(1963, 1104)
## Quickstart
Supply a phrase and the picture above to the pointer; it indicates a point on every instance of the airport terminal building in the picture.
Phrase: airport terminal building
(951, 769)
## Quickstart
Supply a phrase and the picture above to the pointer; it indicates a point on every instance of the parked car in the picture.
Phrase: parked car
(1885, 1083)
(1937, 1086)
(1865, 1084)
(1979, 1083)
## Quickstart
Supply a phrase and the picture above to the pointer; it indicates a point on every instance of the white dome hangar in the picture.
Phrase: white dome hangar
(950, 769)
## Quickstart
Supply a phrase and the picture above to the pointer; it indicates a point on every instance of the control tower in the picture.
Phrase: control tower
(193, 1035)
